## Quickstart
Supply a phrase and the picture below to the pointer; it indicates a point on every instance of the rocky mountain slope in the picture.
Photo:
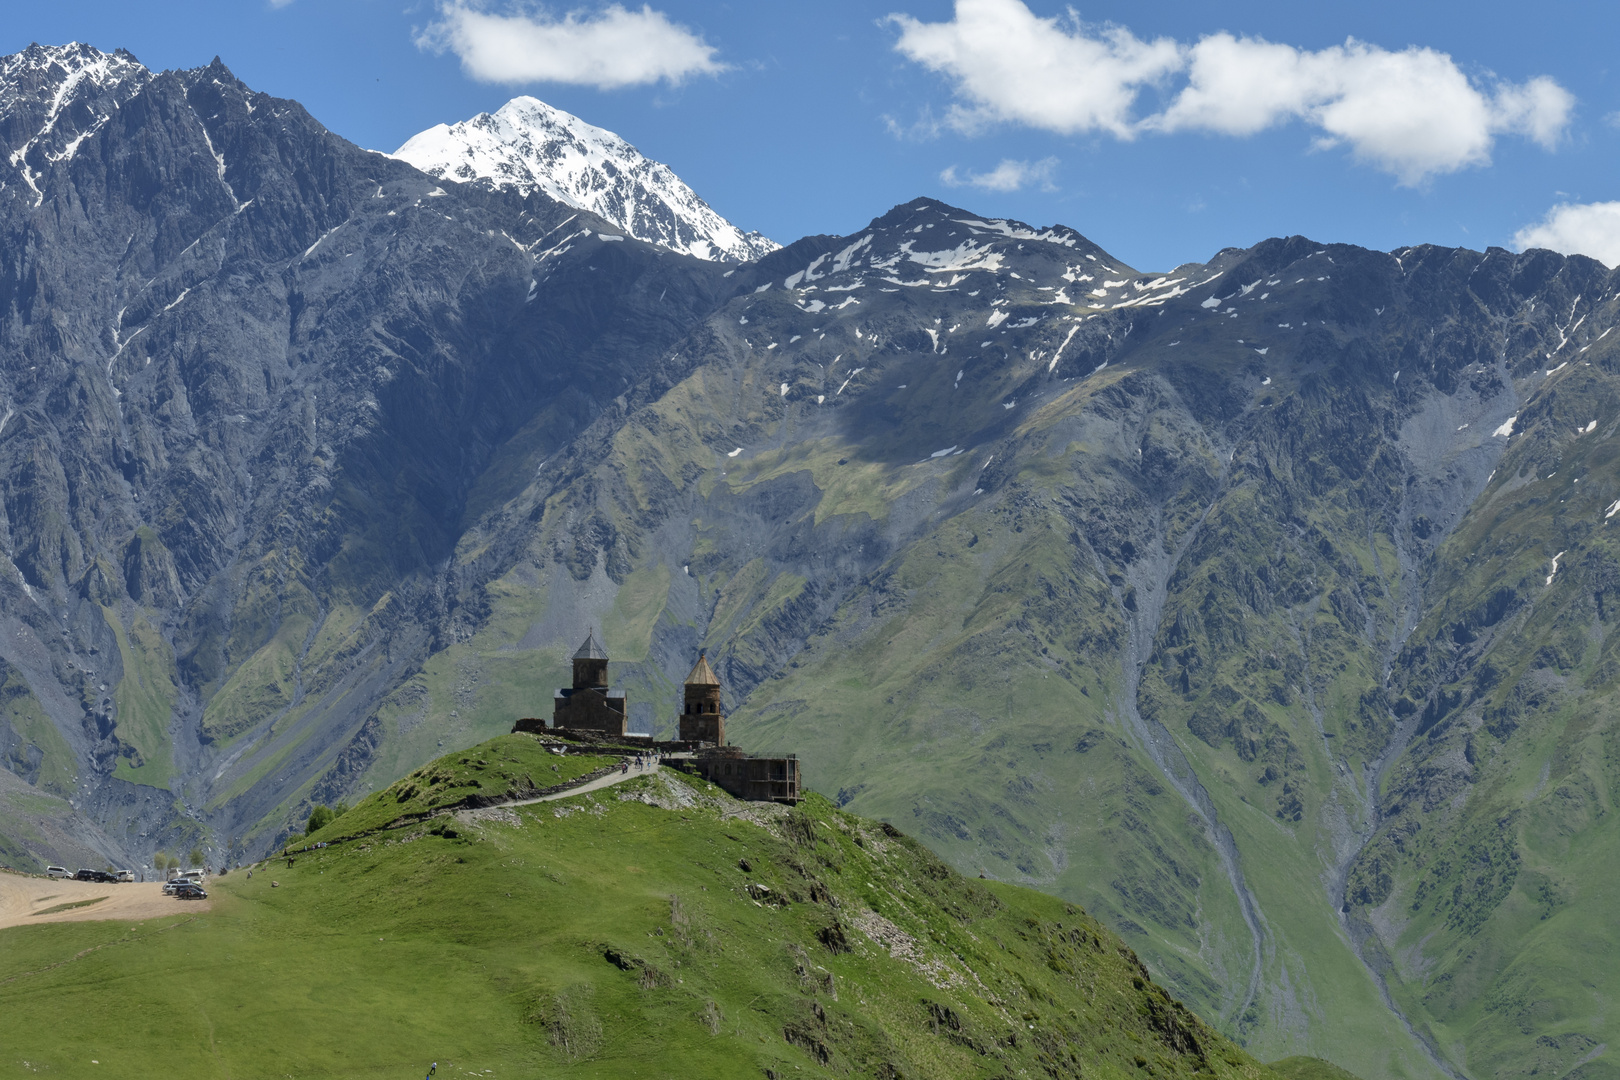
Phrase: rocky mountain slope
(237, 352)
(1259, 605)
(528, 146)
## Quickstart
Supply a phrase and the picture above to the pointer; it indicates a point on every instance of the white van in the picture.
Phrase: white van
(126, 875)
(58, 871)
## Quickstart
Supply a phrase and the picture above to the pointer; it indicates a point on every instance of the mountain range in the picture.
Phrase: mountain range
(1259, 605)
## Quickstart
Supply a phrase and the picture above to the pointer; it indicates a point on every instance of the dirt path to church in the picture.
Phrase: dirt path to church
(598, 784)
(23, 900)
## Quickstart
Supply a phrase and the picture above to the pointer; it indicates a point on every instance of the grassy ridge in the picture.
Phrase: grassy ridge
(1310, 1068)
(657, 928)
(506, 767)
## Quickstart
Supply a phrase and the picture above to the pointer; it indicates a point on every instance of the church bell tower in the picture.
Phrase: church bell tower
(701, 718)
(590, 665)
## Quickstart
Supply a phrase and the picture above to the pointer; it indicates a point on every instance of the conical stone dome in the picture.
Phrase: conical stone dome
(702, 674)
(591, 650)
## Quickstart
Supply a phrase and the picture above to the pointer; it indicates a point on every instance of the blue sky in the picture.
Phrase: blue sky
(1164, 132)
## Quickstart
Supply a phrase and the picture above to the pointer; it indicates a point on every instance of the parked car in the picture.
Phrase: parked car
(189, 890)
(58, 872)
(125, 875)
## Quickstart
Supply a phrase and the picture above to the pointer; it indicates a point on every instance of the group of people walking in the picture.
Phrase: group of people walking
(640, 762)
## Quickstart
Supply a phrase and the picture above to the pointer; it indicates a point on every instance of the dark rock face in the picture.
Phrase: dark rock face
(1220, 600)
(252, 372)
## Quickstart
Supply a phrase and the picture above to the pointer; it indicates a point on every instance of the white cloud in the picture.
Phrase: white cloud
(1010, 175)
(1538, 110)
(610, 49)
(1010, 65)
(926, 126)
(1413, 113)
(1577, 229)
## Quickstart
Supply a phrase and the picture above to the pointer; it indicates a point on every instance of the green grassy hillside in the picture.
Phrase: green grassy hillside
(657, 928)
(1310, 1068)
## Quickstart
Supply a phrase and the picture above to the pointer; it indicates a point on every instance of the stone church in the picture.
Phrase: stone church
(588, 705)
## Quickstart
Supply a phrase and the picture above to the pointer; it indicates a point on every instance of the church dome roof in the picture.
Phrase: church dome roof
(702, 674)
(591, 650)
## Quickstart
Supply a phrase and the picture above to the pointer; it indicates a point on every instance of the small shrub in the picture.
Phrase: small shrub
(319, 818)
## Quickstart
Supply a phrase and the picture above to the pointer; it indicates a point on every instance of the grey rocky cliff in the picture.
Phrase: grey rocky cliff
(251, 373)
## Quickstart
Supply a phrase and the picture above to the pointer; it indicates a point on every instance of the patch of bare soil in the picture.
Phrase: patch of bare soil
(24, 900)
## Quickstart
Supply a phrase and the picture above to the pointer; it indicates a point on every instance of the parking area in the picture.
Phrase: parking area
(30, 900)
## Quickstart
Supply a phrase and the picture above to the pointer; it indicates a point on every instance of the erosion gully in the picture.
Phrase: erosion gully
(1150, 575)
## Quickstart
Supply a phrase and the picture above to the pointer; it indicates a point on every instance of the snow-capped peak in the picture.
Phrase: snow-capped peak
(58, 70)
(530, 146)
(42, 90)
